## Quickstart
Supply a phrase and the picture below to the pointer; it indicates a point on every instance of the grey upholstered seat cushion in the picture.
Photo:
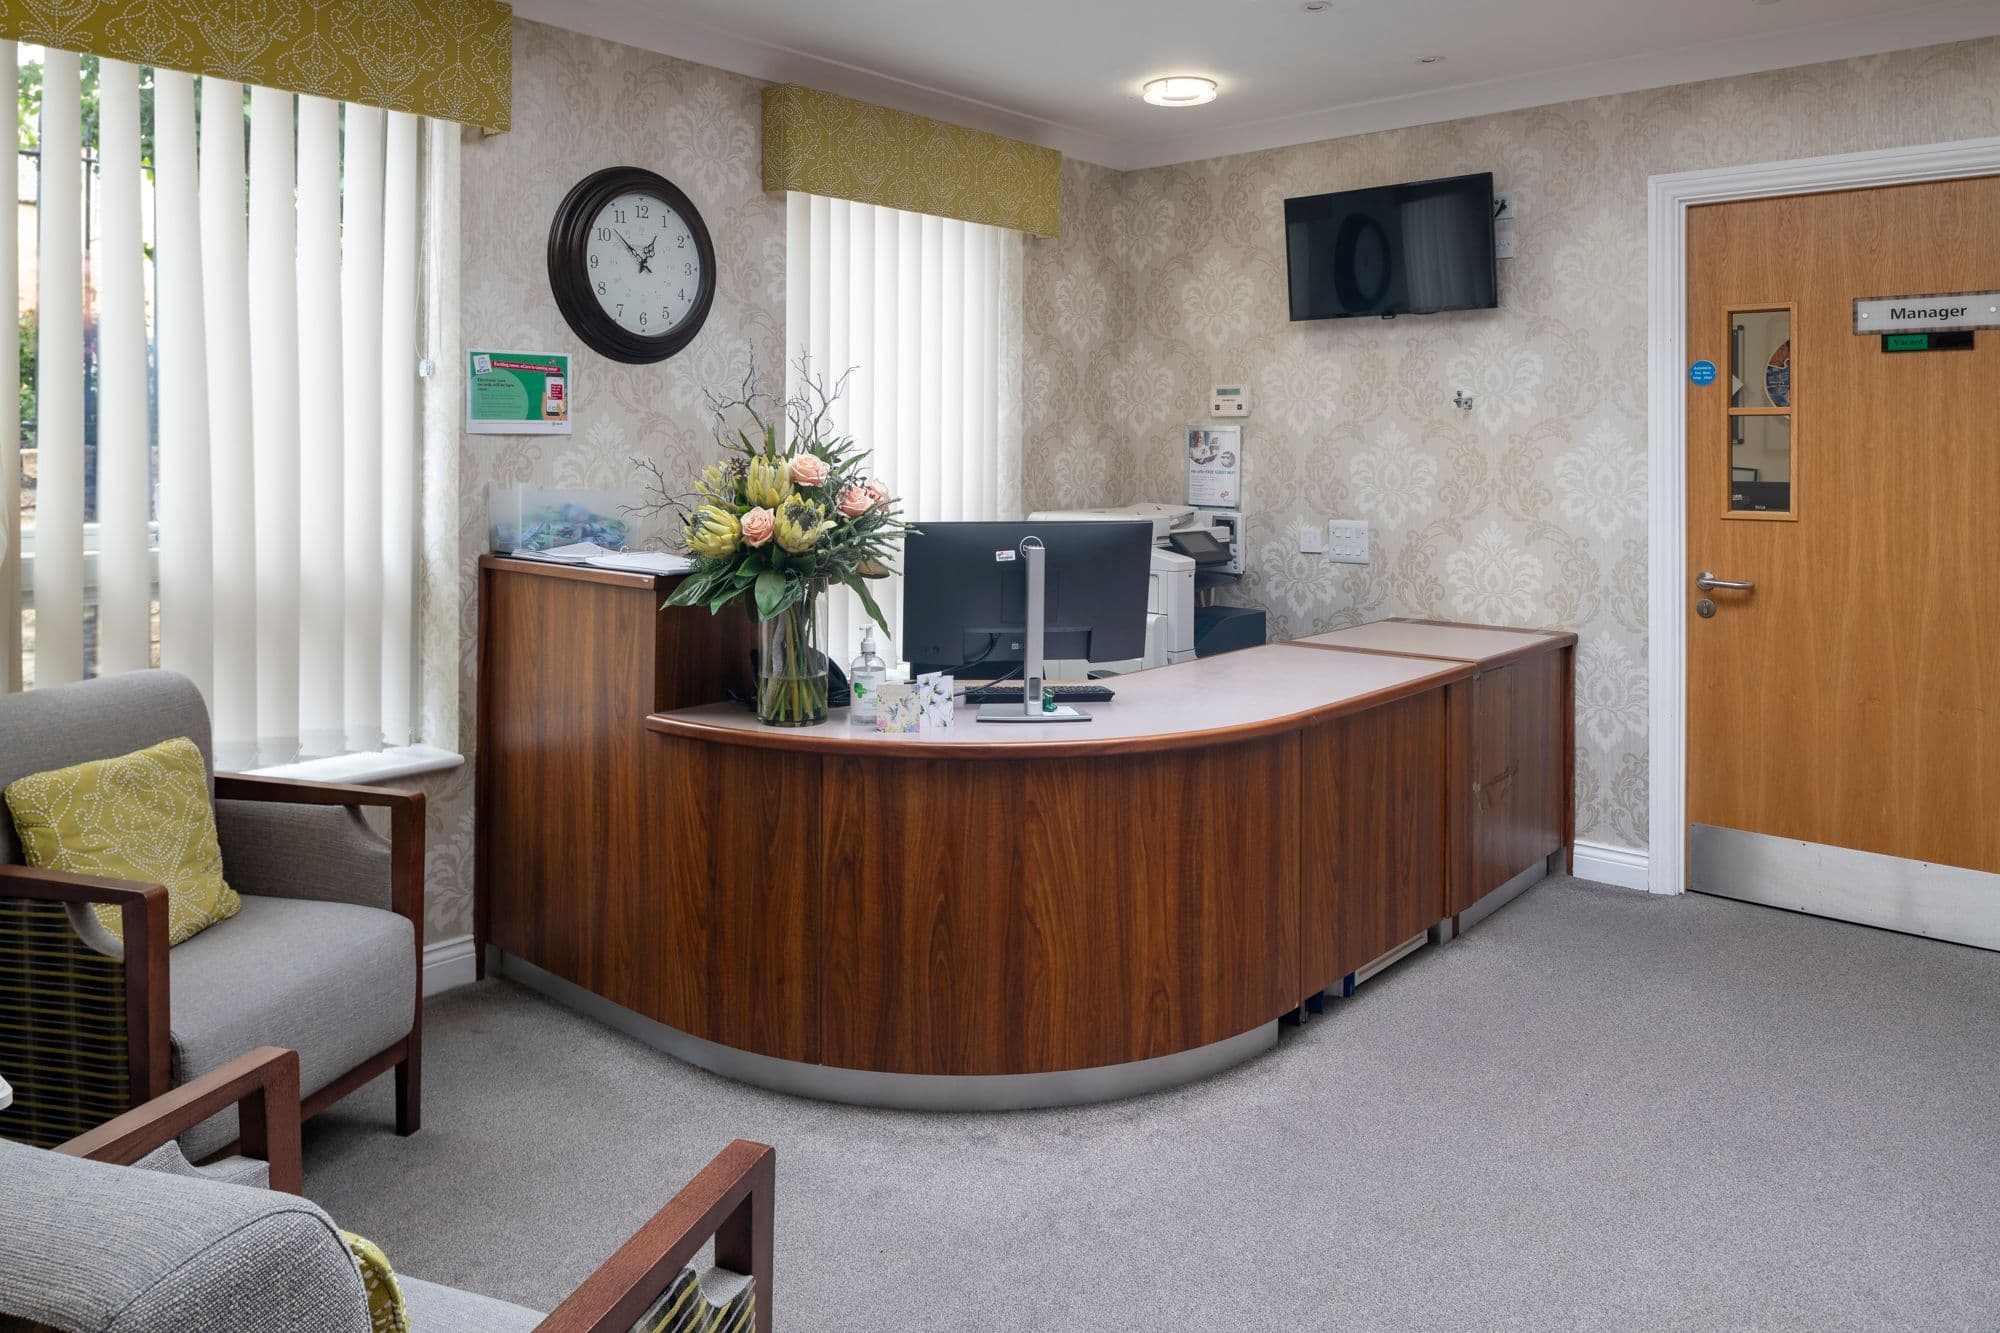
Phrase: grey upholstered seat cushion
(335, 983)
(114, 1249)
(435, 1309)
(60, 725)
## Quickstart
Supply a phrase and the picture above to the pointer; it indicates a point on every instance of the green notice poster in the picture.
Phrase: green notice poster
(517, 393)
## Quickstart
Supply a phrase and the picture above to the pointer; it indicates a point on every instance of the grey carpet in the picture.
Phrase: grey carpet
(1599, 1109)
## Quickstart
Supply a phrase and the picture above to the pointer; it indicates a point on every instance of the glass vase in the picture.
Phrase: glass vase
(791, 664)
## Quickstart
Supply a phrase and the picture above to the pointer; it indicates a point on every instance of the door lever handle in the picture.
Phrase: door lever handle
(1707, 582)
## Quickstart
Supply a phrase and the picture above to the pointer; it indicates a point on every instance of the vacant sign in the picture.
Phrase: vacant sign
(1937, 312)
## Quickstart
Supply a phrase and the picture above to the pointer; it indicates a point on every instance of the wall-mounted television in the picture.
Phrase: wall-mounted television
(1411, 249)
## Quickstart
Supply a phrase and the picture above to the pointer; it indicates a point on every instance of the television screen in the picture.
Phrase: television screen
(1395, 250)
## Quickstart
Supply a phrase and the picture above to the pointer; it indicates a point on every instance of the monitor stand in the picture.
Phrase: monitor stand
(1030, 708)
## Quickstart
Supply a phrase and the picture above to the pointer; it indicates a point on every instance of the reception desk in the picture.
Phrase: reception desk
(981, 916)
(1513, 750)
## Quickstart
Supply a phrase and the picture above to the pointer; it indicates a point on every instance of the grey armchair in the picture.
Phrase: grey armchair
(88, 1242)
(323, 959)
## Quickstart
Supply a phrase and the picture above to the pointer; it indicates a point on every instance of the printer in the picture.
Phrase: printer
(1191, 547)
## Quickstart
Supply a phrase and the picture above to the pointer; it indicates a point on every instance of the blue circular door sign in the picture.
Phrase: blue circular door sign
(1702, 372)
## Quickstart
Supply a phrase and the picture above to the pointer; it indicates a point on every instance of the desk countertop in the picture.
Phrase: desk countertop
(1483, 644)
(1213, 700)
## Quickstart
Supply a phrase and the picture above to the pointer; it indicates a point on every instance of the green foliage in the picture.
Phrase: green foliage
(29, 348)
(28, 108)
(835, 548)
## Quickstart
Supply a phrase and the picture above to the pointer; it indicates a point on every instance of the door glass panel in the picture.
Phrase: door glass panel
(1760, 463)
(1759, 416)
(1760, 358)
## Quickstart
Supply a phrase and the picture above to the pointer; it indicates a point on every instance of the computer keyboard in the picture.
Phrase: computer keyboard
(1010, 692)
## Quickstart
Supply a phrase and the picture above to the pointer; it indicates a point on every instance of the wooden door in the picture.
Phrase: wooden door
(1852, 698)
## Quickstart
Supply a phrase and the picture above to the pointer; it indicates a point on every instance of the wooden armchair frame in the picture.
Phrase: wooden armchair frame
(143, 909)
(262, 1084)
(730, 1199)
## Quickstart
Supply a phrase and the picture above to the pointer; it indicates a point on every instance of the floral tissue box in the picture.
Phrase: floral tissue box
(908, 707)
(899, 710)
(934, 698)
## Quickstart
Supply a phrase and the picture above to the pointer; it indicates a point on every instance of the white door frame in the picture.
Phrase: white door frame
(1668, 201)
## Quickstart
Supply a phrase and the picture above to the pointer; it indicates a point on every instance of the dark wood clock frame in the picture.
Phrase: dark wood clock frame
(569, 265)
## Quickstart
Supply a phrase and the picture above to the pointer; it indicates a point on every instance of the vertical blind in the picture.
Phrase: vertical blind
(926, 312)
(283, 328)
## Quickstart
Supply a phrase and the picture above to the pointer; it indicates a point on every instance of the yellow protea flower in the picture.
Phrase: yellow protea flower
(717, 482)
(801, 523)
(713, 531)
(769, 482)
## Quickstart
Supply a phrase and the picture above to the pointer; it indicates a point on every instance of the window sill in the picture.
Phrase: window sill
(404, 761)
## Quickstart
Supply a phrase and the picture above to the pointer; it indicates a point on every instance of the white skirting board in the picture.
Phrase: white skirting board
(1621, 866)
(449, 964)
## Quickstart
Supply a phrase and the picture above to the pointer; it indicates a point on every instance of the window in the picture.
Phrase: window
(926, 311)
(220, 294)
(1760, 413)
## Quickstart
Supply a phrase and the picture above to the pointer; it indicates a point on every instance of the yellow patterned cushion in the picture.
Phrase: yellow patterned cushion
(386, 1311)
(143, 816)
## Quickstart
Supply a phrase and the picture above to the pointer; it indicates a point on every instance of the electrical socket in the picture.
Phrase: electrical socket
(1347, 541)
(1310, 541)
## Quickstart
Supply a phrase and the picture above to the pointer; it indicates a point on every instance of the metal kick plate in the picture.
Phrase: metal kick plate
(1915, 897)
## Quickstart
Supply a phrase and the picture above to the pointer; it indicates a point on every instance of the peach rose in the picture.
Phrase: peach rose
(854, 501)
(809, 470)
(878, 491)
(758, 525)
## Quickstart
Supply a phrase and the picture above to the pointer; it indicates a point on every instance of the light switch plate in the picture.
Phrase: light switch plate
(1347, 541)
(1310, 542)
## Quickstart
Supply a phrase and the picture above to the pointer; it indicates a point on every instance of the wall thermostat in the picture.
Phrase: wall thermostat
(1229, 400)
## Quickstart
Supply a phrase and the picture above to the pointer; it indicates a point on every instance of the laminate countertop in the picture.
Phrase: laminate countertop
(1483, 644)
(1209, 701)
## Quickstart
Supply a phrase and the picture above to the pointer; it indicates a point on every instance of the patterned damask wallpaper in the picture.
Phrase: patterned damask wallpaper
(1530, 509)
(581, 104)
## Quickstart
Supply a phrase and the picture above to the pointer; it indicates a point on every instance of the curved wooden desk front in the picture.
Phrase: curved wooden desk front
(1226, 838)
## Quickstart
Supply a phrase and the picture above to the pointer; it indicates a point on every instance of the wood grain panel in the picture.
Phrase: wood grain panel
(988, 918)
(723, 938)
(1518, 756)
(1372, 834)
(566, 680)
(572, 661)
(1847, 700)
(1512, 751)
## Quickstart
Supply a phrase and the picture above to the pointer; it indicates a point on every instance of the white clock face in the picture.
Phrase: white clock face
(643, 265)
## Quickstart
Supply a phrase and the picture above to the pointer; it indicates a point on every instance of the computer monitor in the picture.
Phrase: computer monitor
(965, 594)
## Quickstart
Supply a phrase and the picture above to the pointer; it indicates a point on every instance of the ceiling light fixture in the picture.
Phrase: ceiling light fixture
(1430, 60)
(1179, 90)
(1316, 6)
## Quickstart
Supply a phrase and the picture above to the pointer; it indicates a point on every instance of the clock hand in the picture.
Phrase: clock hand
(645, 257)
(628, 245)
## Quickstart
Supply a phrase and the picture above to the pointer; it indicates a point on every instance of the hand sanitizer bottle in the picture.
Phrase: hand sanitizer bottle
(864, 680)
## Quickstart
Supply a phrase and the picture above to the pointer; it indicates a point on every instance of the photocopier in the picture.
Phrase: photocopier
(1188, 541)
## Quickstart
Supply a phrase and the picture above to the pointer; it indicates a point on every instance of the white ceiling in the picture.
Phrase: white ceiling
(1066, 73)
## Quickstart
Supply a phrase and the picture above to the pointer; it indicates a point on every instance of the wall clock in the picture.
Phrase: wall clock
(631, 264)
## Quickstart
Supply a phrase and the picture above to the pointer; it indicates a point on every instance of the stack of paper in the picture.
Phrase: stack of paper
(603, 557)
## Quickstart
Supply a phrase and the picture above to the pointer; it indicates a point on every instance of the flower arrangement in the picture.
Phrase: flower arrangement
(786, 513)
